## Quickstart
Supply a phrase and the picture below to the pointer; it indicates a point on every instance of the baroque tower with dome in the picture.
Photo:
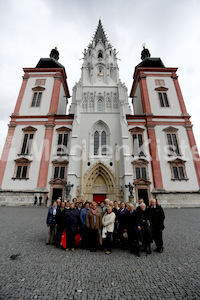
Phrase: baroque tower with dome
(100, 148)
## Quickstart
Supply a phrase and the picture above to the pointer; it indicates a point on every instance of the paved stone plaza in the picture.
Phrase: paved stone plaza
(44, 272)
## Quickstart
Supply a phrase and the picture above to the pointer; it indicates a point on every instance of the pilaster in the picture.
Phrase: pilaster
(46, 151)
(155, 162)
(6, 151)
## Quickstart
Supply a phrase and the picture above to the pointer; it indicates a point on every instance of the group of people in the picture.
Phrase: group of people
(106, 226)
(40, 200)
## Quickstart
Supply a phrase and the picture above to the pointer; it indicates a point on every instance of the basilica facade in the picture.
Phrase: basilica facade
(102, 148)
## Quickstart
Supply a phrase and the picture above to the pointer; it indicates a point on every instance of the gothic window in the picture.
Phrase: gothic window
(103, 143)
(100, 105)
(96, 143)
(100, 142)
(100, 138)
(27, 140)
(22, 166)
(178, 170)
(37, 96)
(100, 54)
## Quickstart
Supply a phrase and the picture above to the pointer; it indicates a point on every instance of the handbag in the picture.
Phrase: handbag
(63, 242)
(78, 239)
(125, 235)
(104, 233)
(150, 232)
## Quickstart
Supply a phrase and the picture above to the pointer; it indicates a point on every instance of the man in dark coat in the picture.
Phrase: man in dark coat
(59, 223)
(51, 223)
(40, 200)
(156, 218)
(84, 229)
(122, 224)
(132, 229)
(71, 220)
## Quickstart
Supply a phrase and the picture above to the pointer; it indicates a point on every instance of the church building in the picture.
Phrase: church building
(102, 148)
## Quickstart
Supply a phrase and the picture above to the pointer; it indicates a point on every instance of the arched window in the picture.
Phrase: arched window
(100, 105)
(100, 134)
(100, 54)
(103, 143)
(96, 143)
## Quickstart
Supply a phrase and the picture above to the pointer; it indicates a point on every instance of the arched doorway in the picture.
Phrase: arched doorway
(100, 182)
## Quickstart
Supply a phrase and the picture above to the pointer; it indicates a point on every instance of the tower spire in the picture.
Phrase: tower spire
(100, 34)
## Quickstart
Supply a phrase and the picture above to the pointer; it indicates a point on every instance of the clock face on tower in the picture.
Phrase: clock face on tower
(100, 74)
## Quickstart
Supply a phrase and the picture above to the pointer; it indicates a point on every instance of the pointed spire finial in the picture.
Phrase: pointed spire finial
(100, 34)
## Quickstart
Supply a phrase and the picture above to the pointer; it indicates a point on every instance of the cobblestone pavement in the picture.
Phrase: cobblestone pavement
(44, 272)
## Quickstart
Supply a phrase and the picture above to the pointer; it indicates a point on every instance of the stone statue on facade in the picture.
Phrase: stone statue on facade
(130, 186)
(68, 188)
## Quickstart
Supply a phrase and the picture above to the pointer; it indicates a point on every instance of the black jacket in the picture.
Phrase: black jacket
(59, 219)
(156, 217)
(71, 220)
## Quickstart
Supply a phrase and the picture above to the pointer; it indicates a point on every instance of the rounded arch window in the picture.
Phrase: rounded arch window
(100, 105)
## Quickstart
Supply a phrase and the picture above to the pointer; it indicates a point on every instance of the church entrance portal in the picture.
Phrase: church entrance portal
(143, 193)
(99, 183)
(99, 197)
(56, 194)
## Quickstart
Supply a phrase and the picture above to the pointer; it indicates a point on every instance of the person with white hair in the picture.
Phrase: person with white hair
(132, 229)
(108, 222)
(107, 201)
(144, 228)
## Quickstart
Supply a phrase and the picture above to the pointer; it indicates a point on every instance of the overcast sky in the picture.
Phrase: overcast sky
(31, 28)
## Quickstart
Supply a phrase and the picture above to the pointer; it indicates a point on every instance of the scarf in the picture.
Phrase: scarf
(94, 211)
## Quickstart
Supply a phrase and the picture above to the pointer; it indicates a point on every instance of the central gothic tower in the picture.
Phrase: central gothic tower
(99, 136)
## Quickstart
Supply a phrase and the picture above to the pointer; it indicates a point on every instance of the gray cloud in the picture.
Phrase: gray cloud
(30, 29)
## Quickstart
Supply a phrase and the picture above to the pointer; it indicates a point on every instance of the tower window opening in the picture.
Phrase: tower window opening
(163, 99)
(96, 143)
(103, 143)
(100, 105)
(100, 54)
(36, 99)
